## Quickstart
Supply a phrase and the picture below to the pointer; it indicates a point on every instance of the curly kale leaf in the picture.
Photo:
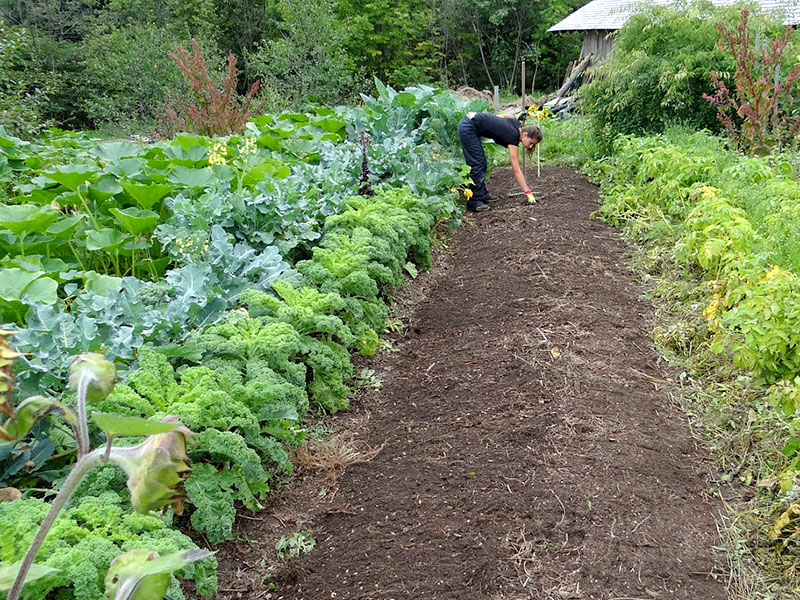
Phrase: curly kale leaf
(356, 283)
(213, 494)
(124, 400)
(200, 403)
(271, 397)
(230, 450)
(331, 366)
(394, 215)
(362, 311)
(276, 452)
(243, 338)
(344, 252)
(85, 539)
(154, 379)
(305, 308)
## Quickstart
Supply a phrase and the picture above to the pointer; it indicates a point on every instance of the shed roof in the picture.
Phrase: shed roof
(612, 14)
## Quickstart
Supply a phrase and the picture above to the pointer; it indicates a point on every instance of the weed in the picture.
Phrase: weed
(395, 326)
(296, 544)
(333, 455)
(387, 346)
(368, 380)
(215, 109)
(755, 117)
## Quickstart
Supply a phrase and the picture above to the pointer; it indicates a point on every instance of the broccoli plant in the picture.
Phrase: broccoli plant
(156, 469)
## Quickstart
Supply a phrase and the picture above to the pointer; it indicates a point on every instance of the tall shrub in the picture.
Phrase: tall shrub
(128, 75)
(212, 109)
(23, 91)
(755, 116)
(660, 66)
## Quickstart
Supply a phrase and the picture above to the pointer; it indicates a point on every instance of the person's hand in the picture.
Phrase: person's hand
(531, 197)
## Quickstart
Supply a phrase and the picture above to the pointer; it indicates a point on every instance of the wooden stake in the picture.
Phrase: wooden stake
(523, 110)
(538, 157)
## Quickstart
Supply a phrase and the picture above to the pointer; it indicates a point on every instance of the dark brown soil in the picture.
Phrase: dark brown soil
(531, 447)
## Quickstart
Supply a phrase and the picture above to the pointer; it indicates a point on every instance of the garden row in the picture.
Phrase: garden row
(272, 271)
(726, 228)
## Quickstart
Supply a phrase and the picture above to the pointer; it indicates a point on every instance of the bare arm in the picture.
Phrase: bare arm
(513, 154)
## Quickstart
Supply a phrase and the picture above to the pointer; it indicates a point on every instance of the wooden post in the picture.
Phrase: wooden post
(523, 110)
(497, 97)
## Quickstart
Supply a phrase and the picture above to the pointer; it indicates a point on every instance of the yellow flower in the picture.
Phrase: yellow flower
(468, 194)
(537, 112)
(773, 271)
(217, 154)
(248, 145)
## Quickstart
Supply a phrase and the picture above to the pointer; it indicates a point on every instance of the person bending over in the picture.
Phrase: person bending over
(505, 130)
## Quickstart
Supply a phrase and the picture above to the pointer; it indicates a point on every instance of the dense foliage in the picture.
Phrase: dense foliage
(719, 236)
(154, 469)
(660, 68)
(229, 278)
(128, 244)
(83, 64)
(85, 540)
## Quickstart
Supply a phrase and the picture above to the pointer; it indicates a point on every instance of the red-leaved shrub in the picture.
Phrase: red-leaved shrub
(212, 109)
(755, 116)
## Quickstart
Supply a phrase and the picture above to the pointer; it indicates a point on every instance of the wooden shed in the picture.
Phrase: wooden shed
(599, 19)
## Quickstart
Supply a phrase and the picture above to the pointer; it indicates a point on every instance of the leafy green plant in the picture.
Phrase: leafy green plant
(88, 534)
(367, 379)
(155, 468)
(761, 323)
(294, 545)
(715, 234)
(238, 415)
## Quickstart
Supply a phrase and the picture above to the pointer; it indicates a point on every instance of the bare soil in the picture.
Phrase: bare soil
(529, 447)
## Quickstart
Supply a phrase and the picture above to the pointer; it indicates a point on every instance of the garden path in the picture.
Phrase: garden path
(528, 444)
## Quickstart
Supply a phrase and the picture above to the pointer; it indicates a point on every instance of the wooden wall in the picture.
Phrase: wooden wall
(597, 42)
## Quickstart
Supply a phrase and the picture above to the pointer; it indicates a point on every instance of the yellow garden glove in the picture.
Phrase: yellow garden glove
(531, 197)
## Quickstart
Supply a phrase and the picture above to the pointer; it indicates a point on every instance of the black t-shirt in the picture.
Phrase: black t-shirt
(502, 130)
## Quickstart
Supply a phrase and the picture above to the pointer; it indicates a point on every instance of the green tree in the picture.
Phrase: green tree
(307, 62)
(23, 95)
(246, 24)
(54, 29)
(395, 40)
(659, 69)
(128, 75)
(484, 41)
(185, 18)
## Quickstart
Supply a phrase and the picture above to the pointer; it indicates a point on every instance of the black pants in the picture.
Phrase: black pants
(474, 156)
